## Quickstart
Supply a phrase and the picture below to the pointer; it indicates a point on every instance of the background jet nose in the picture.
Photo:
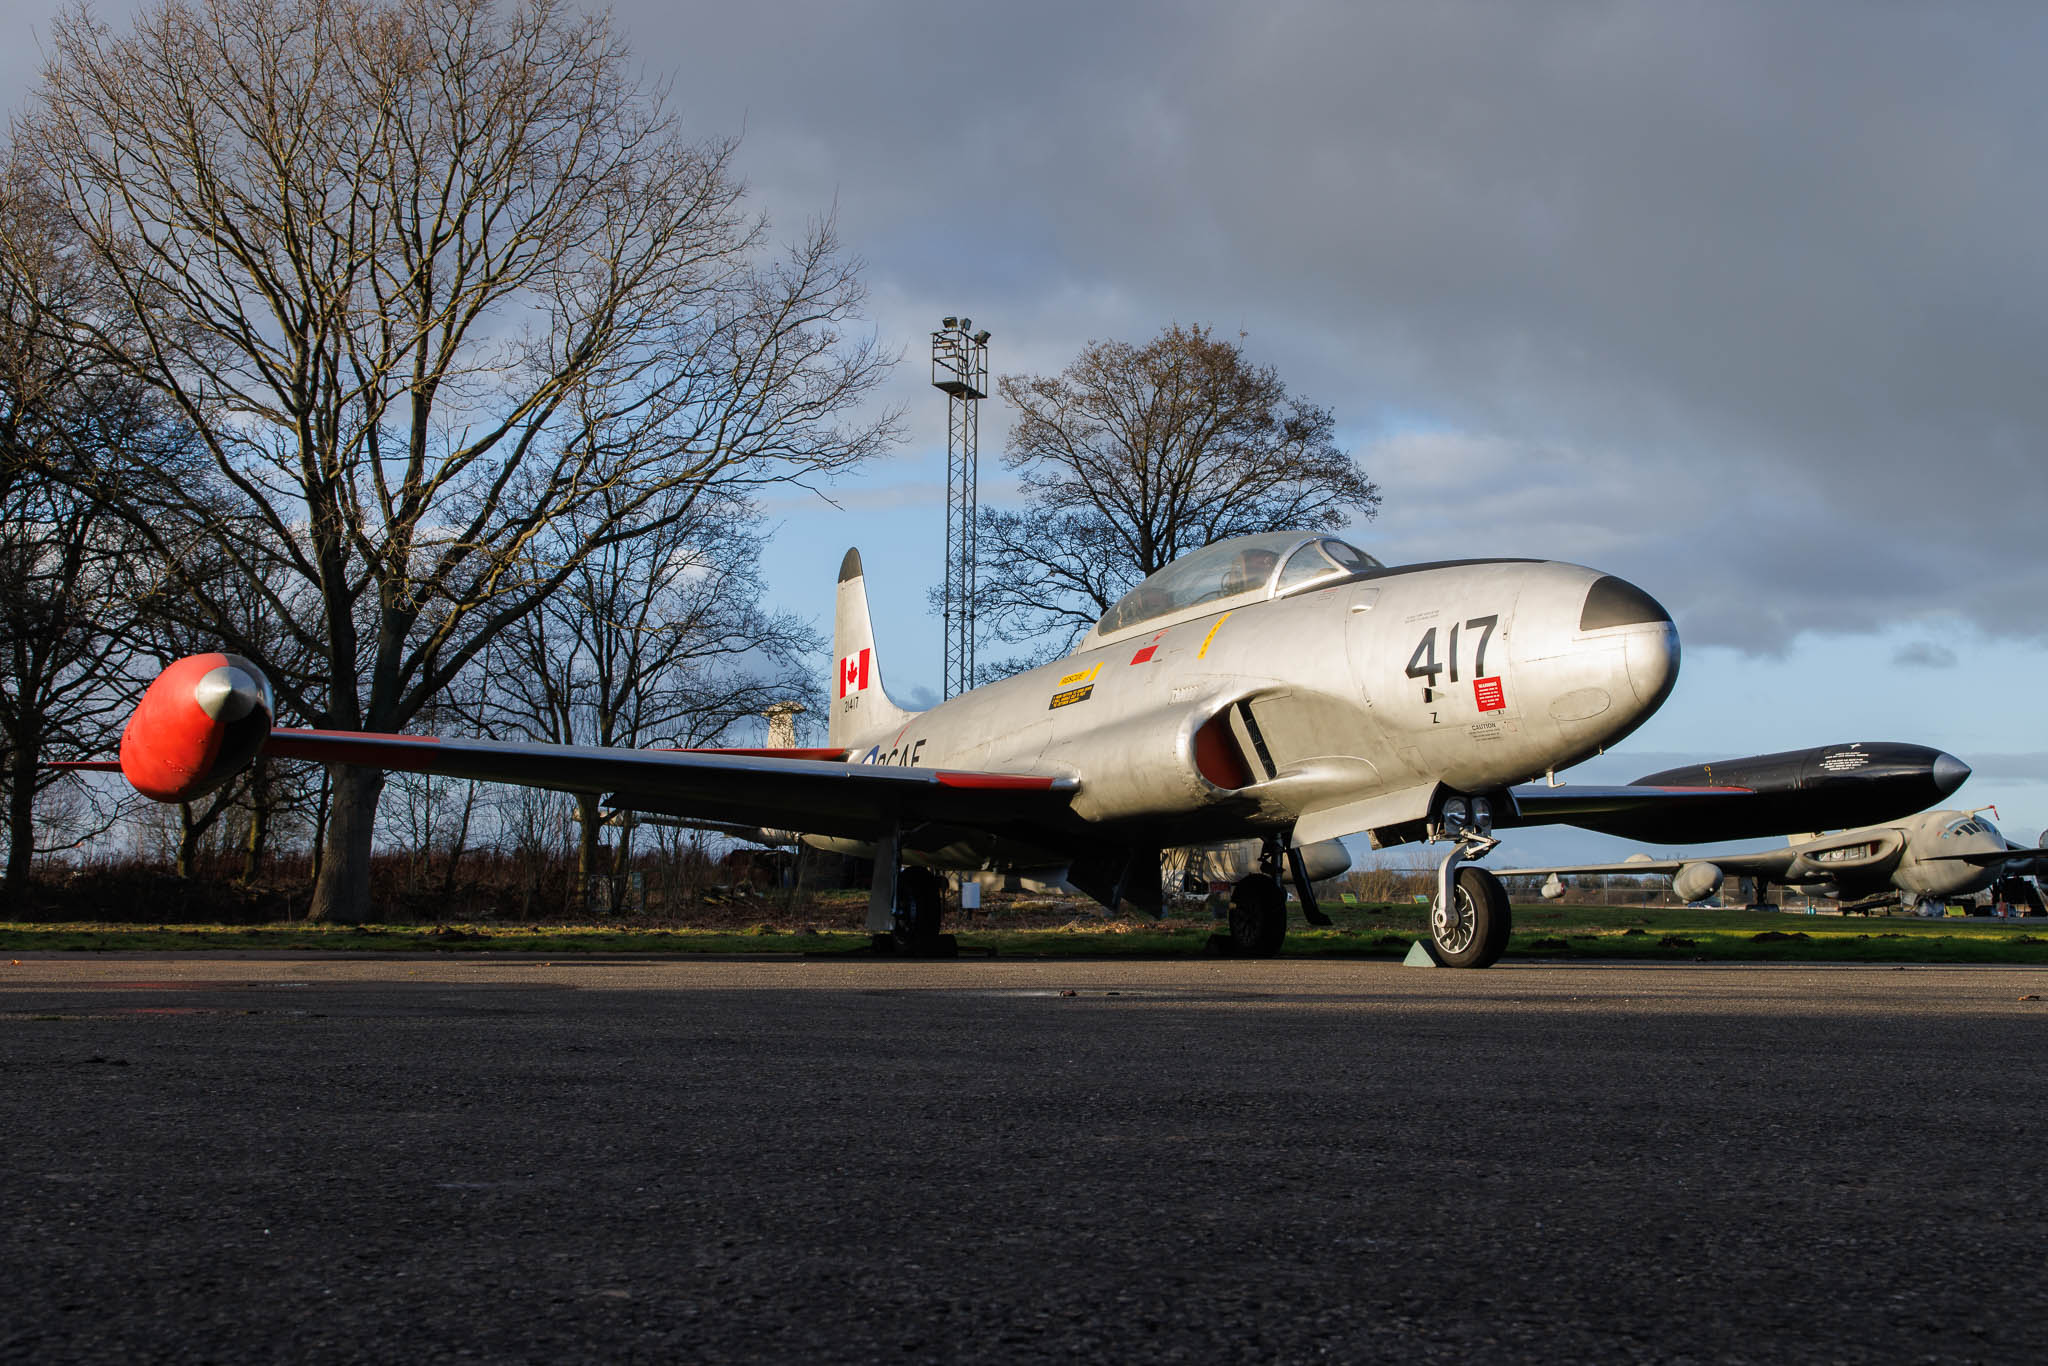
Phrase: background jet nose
(1948, 772)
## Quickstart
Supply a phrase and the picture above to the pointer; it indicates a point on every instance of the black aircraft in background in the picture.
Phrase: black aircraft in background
(1829, 787)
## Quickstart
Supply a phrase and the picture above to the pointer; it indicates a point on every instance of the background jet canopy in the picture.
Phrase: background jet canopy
(1241, 569)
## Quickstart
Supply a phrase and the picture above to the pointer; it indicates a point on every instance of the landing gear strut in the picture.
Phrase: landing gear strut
(1258, 905)
(1470, 919)
(1306, 890)
(905, 905)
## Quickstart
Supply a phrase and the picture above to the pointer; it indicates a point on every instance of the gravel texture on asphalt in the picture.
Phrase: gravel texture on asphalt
(237, 1159)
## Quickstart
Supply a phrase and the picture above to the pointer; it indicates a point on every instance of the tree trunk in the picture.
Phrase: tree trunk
(342, 893)
(21, 820)
(455, 849)
(320, 819)
(189, 831)
(259, 821)
(621, 870)
(588, 855)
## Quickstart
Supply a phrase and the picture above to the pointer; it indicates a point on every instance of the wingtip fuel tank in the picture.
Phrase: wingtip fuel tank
(198, 724)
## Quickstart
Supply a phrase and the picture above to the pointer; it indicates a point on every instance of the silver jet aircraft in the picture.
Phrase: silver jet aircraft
(1931, 856)
(1284, 687)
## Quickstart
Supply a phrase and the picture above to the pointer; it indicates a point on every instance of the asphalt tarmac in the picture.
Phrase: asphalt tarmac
(235, 1159)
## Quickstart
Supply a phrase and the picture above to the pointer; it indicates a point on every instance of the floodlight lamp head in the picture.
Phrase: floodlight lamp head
(966, 324)
(981, 337)
(950, 323)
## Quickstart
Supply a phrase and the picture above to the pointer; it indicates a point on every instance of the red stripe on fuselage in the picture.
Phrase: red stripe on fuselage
(756, 753)
(995, 782)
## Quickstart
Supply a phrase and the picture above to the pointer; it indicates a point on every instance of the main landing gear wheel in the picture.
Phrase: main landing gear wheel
(1258, 917)
(1472, 931)
(920, 906)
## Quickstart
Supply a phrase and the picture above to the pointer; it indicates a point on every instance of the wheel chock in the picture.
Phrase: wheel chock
(1420, 956)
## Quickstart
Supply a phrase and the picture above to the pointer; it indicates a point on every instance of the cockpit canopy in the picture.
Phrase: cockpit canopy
(1243, 569)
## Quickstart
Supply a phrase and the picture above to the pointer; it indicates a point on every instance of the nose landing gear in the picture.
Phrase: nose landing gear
(1470, 918)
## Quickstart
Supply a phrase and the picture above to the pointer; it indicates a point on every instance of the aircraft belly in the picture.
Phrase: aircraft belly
(952, 849)
(1929, 878)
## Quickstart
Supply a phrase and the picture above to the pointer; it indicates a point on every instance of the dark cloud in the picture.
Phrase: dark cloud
(1744, 298)
(1744, 301)
(1924, 654)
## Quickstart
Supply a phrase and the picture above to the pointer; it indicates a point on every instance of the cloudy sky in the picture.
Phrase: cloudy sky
(1743, 302)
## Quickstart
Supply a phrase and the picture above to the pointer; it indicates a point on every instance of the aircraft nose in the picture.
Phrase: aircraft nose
(1653, 664)
(1611, 601)
(1651, 640)
(1948, 772)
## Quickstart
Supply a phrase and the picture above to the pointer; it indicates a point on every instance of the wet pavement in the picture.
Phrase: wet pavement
(239, 1159)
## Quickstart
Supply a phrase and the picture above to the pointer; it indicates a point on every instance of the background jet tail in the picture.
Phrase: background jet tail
(860, 706)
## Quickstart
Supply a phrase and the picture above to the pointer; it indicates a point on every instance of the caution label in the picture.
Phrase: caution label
(1071, 696)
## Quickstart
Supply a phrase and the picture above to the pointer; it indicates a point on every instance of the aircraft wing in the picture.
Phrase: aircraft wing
(1542, 804)
(1770, 863)
(1663, 866)
(739, 787)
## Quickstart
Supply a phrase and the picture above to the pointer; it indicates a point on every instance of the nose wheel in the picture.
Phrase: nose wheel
(1470, 919)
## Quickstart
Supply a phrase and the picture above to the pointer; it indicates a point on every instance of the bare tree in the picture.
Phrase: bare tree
(1134, 455)
(72, 575)
(66, 676)
(660, 638)
(432, 816)
(430, 278)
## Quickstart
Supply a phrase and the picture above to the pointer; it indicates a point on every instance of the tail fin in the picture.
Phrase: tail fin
(860, 705)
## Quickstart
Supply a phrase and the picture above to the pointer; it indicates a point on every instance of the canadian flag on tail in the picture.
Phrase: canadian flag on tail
(853, 672)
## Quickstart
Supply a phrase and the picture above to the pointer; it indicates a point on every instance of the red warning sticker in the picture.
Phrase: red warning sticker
(1487, 692)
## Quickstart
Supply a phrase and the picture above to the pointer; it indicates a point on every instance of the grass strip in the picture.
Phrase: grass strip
(1542, 932)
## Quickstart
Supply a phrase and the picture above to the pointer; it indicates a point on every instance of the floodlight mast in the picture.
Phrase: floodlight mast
(960, 371)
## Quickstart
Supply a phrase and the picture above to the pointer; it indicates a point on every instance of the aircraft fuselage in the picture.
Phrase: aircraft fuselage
(1925, 856)
(1339, 709)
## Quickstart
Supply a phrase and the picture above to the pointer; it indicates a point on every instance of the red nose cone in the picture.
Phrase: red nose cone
(201, 721)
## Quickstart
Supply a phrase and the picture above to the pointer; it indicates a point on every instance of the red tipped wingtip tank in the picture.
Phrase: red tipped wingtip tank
(198, 724)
